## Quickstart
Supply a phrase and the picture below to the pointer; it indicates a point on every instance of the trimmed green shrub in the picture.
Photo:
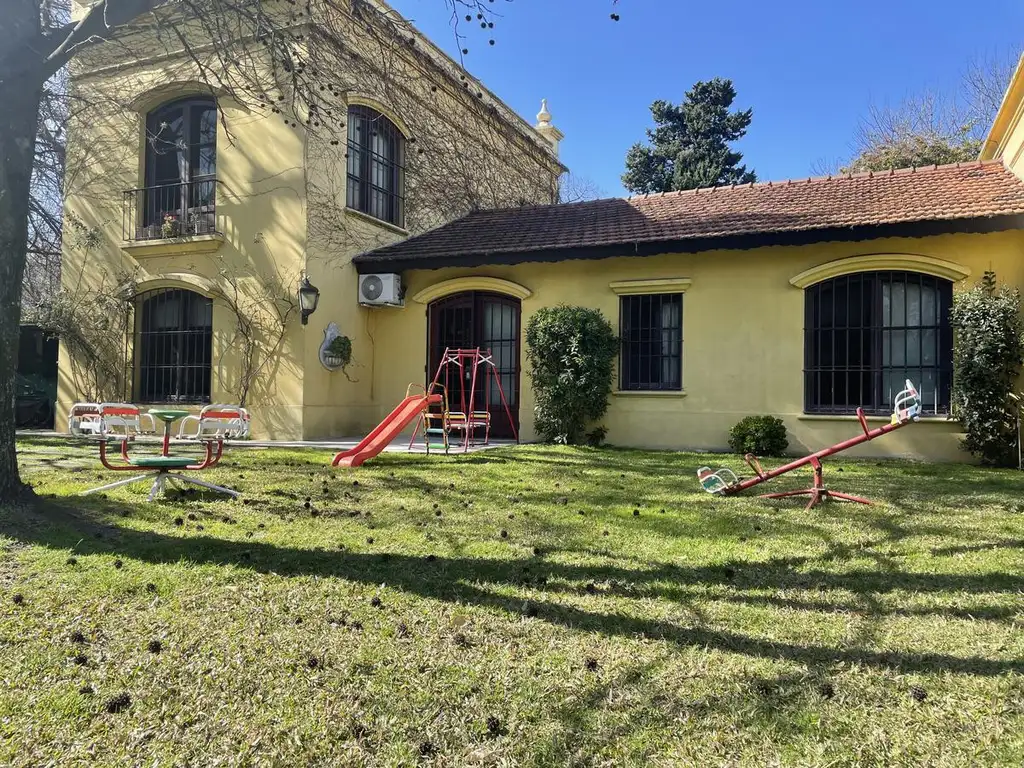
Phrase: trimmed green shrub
(571, 351)
(759, 435)
(988, 351)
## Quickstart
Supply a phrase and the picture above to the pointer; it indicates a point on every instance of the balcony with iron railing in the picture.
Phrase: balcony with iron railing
(170, 211)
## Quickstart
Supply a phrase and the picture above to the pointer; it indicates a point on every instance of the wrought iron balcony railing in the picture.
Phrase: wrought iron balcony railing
(170, 210)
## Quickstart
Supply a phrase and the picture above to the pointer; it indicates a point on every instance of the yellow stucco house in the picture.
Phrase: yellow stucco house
(803, 299)
(193, 210)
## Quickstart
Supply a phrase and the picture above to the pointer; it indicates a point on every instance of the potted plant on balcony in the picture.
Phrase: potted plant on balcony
(169, 228)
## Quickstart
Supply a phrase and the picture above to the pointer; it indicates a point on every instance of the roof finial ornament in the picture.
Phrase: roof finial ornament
(544, 127)
(544, 116)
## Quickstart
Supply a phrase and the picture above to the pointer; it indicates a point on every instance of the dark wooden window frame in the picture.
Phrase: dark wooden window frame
(472, 304)
(641, 364)
(844, 344)
(173, 364)
(194, 195)
(385, 201)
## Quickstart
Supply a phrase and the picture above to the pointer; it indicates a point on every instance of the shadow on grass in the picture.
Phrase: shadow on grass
(464, 581)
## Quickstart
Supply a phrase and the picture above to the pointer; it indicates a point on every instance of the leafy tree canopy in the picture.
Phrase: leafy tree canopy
(689, 147)
(919, 132)
(933, 127)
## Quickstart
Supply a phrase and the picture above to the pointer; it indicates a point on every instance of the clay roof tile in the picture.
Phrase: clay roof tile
(933, 193)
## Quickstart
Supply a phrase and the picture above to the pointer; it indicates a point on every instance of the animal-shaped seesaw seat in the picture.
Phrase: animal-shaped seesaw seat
(122, 423)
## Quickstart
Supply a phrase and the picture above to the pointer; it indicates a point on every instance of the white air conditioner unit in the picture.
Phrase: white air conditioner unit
(380, 290)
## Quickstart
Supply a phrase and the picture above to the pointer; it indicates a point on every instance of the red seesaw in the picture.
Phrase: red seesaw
(906, 408)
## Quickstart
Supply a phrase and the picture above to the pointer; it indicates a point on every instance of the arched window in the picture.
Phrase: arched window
(866, 333)
(376, 166)
(173, 348)
(181, 169)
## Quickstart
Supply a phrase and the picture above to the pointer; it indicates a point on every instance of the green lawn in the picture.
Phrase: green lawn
(523, 606)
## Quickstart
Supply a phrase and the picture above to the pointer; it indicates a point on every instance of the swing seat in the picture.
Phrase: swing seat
(718, 481)
(476, 420)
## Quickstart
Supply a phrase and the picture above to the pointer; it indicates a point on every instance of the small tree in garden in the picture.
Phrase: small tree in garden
(571, 351)
(987, 355)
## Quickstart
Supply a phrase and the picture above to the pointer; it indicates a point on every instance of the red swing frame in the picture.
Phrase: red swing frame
(475, 358)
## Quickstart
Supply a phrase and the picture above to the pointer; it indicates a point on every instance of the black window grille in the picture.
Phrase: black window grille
(865, 334)
(376, 166)
(174, 343)
(651, 332)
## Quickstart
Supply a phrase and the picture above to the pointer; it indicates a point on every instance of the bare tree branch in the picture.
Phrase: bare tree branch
(573, 188)
(934, 127)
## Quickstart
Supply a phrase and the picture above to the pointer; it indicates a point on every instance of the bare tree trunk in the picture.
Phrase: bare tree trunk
(19, 96)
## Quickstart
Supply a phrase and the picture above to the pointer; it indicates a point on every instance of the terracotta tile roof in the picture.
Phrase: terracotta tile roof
(864, 205)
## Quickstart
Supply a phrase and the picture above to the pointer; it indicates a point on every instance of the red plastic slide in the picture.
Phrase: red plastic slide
(386, 431)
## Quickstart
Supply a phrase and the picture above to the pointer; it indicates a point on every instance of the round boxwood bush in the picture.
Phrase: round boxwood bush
(571, 351)
(759, 435)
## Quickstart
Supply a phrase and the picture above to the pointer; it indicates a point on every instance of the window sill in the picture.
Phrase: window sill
(926, 419)
(379, 222)
(649, 393)
(174, 246)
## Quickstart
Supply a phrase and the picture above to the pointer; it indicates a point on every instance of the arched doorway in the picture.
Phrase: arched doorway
(489, 321)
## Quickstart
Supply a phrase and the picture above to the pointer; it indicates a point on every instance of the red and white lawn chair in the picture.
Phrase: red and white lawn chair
(227, 422)
(84, 421)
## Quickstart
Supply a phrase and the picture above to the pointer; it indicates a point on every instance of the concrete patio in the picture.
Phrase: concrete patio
(401, 445)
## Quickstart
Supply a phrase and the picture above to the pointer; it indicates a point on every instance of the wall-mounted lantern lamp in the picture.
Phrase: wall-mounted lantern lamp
(309, 297)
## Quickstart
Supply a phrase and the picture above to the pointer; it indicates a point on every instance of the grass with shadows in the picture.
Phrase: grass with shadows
(522, 606)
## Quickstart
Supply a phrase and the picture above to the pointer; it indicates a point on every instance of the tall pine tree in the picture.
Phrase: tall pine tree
(689, 148)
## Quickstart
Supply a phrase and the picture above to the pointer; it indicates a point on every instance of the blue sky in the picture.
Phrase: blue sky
(809, 68)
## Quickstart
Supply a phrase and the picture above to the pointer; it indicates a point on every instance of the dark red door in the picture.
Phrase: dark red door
(488, 321)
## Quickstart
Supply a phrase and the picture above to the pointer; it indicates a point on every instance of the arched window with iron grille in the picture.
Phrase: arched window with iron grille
(376, 166)
(173, 347)
(867, 332)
